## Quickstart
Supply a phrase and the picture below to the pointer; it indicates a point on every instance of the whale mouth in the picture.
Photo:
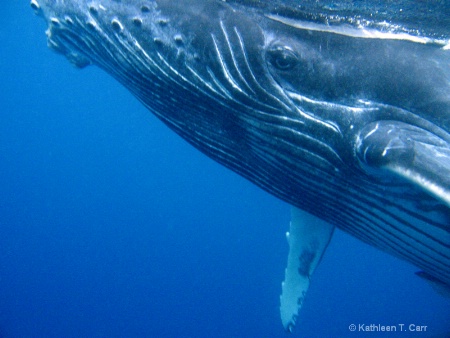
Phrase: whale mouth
(388, 33)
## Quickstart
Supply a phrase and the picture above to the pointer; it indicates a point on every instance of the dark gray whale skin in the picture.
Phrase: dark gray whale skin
(337, 113)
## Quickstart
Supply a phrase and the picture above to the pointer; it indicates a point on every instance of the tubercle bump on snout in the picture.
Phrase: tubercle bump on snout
(35, 6)
(92, 14)
(98, 17)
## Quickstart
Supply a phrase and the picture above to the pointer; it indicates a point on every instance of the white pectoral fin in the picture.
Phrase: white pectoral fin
(308, 238)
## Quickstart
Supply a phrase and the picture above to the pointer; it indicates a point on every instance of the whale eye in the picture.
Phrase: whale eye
(282, 57)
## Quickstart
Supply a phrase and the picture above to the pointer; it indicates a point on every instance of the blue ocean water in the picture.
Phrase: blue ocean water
(112, 226)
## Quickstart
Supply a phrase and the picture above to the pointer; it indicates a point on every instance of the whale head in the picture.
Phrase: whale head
(336, 113)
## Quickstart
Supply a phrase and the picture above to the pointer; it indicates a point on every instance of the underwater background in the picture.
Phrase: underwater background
(113, 226)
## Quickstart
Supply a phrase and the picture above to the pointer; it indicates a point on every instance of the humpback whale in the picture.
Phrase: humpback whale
(341, 110)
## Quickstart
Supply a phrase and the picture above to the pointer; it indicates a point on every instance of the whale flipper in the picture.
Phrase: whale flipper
(411, 153)
(308, 237)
